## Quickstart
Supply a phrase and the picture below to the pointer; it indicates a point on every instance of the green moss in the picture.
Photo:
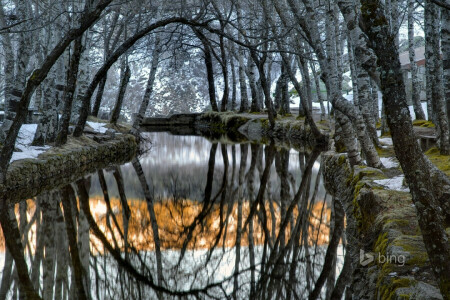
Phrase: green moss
(423, 123)
(386, 152)
(413, 245)
(403, 282)
(264, 123)
(300, 118)
(381, 244)
(440, 161)
(378, 125)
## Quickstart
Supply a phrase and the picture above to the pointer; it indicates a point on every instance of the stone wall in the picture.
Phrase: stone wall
(381, 225)
(26, 178)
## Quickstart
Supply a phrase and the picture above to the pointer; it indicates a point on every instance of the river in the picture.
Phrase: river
(189, 218)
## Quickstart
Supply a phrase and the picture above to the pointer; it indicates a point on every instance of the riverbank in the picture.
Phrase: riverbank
(384, 237)
(289, 130)
(59, 166)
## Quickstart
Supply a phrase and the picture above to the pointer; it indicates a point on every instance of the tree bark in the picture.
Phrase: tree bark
(415, 83)
(126, 74)
(434, 79)
(209, 68)
(69, 92)
(445, 38)
(149, 89)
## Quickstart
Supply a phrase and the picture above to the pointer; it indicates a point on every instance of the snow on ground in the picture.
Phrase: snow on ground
(394, 183)
(389, 162)
(97, 127)
(23, 142)
(386, 141)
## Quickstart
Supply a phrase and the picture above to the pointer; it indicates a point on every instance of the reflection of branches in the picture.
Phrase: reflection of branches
(275, 256)
(331, 250)
(207, 203)
(11, 232)
(68, 197)
(127, 266)
(149, 199)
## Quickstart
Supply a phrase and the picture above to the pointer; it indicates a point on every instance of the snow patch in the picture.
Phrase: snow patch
(23, 143)
(394, 183)
(389, 162)
(97, 127)
(386, 141)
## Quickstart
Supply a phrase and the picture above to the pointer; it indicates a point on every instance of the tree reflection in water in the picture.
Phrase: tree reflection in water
(252, 221)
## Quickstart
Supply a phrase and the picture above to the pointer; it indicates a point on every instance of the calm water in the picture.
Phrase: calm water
(187, 219)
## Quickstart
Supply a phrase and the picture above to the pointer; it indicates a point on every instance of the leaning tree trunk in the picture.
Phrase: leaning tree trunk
(415, 83)
(126, 74)
(149, 89)
(99, 96)
(412, 160)
(69, 92)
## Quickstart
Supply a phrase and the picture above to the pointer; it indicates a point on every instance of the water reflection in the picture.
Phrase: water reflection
(189, 219)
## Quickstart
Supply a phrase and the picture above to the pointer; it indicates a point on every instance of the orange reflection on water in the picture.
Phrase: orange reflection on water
(175, 217)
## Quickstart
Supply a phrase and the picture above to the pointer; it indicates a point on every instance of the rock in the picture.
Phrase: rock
(111, 132)
(425, 291)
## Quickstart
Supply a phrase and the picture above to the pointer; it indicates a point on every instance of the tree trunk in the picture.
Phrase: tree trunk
(445, 38)
(149, 89)
(254, 107)
(233, 82)
(69, 92)
(99, 96)
(82, 84)
(323, 112)
(415, 83)
(126, 74)
(434, 80)
(413, 162)
(209, 69)
(48, 122)
(224, 65)
(242, 82)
